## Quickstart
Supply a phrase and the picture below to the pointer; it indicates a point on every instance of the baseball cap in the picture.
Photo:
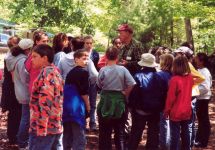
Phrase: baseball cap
(184, 50)
(125, 27)
(25, 44)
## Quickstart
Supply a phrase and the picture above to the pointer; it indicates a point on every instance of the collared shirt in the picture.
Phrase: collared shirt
(132, 54)
(46, 104)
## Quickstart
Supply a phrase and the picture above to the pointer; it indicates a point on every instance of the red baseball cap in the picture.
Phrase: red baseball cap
(125, 27)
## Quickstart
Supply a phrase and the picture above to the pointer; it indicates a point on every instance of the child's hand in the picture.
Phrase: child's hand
(166, 115)
(88, 108)
(87, 114)
(123, 92)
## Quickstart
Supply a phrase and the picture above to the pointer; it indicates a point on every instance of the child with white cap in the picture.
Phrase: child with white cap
(15, 64)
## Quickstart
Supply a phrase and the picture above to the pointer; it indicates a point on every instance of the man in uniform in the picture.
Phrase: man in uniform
(131, 50)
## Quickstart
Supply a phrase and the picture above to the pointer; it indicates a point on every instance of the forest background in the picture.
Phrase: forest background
(156, 22)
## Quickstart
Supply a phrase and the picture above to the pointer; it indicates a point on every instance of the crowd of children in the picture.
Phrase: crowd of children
(57, 88)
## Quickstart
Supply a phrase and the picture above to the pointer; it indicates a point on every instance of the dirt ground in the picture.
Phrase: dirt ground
(92, 137)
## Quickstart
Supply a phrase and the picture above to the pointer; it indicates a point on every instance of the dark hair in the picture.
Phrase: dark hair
(114, 40)
(68, 49)
(79, 53)
(44, 50)
(38, 36)
(203, 58)
(112, 53)
(12, 41)
(58, 42)
(16, 50)
(77, 43)
(180, 66)
(188, 44)
(153, 50)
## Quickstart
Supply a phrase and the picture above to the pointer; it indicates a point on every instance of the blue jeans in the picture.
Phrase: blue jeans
(73, 136)
(92, 98)
(49, 142)
(177, 127)
(164, 132)
(192, 122)
(23, 133)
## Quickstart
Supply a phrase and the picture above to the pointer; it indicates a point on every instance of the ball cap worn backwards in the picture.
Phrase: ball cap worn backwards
(184, 49)
(25, 44)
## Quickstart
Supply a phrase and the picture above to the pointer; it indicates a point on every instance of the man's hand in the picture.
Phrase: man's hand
(123, 62)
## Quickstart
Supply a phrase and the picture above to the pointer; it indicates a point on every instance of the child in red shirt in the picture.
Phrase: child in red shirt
(178, 103)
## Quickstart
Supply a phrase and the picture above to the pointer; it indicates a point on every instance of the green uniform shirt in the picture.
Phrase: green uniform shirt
(132, 54)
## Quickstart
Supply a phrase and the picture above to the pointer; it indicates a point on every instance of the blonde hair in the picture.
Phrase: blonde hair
(166, 61)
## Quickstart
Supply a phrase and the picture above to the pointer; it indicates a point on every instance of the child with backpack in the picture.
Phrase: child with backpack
(76, 106)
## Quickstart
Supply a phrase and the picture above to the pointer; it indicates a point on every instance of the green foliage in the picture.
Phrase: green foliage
(52, 13)
(99, 47)
(155, 22)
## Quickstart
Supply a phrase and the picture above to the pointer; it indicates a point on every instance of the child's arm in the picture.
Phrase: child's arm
(93, 73)
(99, 82)
(129, 82)
(171, 96)
(197, 77)
(28, 63)
(24, 75)
(83, 89)
(87, 102)
(205, 86)
(128, 91)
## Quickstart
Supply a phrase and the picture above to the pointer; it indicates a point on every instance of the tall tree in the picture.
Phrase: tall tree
(189, 33)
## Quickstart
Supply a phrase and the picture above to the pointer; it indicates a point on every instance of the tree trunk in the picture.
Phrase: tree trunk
(172, 33)
(188, 29)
